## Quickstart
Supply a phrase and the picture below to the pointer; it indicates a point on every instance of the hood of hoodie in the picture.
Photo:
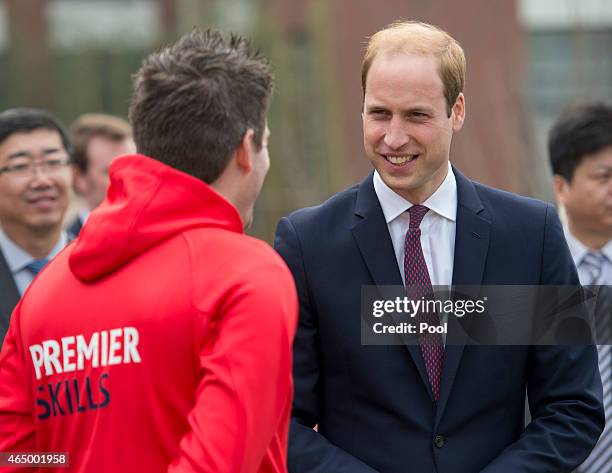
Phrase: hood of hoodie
(147, 202)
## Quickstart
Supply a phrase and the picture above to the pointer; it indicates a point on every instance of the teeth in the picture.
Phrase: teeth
(400, 159)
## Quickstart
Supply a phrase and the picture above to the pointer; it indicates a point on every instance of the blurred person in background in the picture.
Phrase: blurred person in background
(96, 140)
(431, 406)
(580, 152)
(170, 347)
(34, 192)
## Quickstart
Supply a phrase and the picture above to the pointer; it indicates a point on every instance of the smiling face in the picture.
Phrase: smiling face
(406, 129)
(34, 202)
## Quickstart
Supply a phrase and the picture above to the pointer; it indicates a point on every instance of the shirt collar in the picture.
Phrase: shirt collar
(17, 258)
(578, 250)
(607, 250)
(84, 215)
(443, 201)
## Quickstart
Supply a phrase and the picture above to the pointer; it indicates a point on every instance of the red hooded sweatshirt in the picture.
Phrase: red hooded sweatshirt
(160, 340)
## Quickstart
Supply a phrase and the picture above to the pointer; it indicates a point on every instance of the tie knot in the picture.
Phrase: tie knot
(416, 212)
(35, 266)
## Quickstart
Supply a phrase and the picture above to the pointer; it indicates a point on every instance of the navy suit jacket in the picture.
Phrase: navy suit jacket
(9, 296)
(74, 227)
(373, 405)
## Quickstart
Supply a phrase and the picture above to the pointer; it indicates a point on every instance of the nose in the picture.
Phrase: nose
(40, 177)
(396, 136)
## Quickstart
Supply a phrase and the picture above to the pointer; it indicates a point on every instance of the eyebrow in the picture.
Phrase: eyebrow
(26, 154)
(416, 108)
(375, 107)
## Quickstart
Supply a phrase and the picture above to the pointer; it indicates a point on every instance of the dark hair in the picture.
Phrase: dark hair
(24, 120)
(91, 125)
(580, 131)
(194, 100)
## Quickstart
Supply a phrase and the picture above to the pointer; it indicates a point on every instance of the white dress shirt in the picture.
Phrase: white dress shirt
(18, 259)
(438, 227)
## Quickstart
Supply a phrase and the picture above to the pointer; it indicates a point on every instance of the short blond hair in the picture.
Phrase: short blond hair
(420, 38)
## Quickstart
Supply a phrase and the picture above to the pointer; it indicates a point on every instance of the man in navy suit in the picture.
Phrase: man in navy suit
(428, 407)
(34, 193)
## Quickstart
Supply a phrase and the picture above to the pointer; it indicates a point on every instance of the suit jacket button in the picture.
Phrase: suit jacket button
(439, 441)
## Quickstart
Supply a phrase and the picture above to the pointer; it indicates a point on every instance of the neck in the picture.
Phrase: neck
(36, 244)
(420, 195)
(593, 241)
(233, 197)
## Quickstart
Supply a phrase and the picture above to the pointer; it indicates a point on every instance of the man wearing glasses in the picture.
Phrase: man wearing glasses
(34, 191)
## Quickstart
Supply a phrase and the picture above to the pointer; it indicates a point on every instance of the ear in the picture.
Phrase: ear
(458, 112)
(244, 153)
(560, 188)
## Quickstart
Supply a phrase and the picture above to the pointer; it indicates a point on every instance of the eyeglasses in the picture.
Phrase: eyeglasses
(28, 168)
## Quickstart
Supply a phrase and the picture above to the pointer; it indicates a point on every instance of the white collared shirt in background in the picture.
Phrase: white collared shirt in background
(579, 251)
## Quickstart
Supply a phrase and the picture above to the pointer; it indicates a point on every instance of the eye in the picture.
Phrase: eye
(378, 113)
(54, 164)
(419, 115)
(19, 167)
(602, 177)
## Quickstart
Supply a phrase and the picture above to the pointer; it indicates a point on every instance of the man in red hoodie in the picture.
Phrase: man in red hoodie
(160, 340)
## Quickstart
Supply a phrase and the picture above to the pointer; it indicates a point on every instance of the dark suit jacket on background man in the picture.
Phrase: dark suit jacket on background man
(9, 295)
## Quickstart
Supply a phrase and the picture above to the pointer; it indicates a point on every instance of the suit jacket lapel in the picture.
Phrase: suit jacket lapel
(471, 246)
(372, 237)
(9, 295)
(374, 242)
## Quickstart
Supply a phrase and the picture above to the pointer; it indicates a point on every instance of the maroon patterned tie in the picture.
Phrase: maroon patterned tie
(418, 285)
